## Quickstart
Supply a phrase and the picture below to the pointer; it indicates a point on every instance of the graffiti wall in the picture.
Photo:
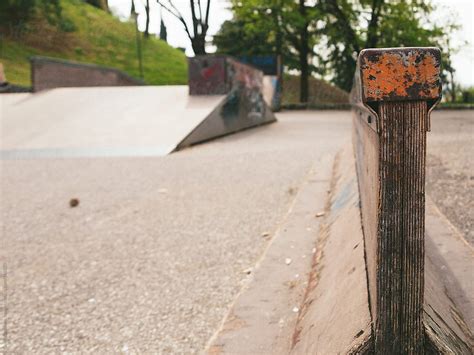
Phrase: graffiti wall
(207, 75)
(246, 93)
(243, 105)
(272, 68)
(241, 83)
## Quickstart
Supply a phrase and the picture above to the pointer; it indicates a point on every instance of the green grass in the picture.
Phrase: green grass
(99, 38)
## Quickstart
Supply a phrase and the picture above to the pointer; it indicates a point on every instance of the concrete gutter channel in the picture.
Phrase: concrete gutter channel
(450, 251)
(293, 308)
(265, 313)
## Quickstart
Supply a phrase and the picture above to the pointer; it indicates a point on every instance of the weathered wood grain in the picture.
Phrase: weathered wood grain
(391, 182)
(335, 317)
(392, 96)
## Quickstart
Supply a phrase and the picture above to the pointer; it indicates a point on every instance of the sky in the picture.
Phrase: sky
(461, 10)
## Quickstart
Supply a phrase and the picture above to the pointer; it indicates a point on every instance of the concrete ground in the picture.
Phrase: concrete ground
(155, 253)
(450, 167)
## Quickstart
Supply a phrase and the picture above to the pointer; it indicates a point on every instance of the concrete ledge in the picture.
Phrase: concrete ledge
(49, 73)
(318, 304)
(335, 318)
(264, 315)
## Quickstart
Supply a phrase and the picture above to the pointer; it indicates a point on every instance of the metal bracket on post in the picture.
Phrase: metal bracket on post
(397, 74)
(394, 91)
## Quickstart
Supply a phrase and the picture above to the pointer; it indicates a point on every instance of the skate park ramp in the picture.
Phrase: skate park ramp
(11, 99)
(102, 121)
(134, 120)
(113, 121)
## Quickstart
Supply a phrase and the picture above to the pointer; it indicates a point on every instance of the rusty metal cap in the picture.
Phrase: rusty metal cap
(398, 74)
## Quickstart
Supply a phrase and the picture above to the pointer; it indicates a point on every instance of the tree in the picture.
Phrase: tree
(200, 22)
(259, 22)
(353, 25)
(282, 27)
(147, 19)
(134, 15)
(341, 39)
(15, 14)
(163, 31)
(447, 50)
(234, 39)
(100, 4)
(331, 33)
(302, 45)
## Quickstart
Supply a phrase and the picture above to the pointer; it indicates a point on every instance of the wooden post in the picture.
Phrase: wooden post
(393, 93)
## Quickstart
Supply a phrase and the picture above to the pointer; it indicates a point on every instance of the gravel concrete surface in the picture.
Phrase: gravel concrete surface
(450, 172)
(153, 255)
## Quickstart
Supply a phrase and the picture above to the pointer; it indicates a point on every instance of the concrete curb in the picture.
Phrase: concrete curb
(264, 315)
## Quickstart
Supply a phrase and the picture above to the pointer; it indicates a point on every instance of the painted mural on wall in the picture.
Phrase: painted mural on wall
(244, 104)
(207, 75)
(245, 97)
(243, 85)
(272, 68)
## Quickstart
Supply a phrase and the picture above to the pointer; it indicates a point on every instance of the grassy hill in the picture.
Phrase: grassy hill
(98, 38)
(320, 92)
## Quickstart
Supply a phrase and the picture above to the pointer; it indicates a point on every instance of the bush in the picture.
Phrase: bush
(468, 95)
(16, 14)
(66, 25)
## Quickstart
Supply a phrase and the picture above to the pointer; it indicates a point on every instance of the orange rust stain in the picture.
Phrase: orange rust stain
(393, 73)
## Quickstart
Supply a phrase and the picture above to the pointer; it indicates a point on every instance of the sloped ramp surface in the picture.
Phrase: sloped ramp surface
(238, 111)
(110, 121)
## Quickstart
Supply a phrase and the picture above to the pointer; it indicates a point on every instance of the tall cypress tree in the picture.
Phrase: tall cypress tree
(163, 32)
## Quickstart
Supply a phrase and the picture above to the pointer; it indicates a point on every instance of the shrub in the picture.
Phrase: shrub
(16, 14)
(468, 95)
